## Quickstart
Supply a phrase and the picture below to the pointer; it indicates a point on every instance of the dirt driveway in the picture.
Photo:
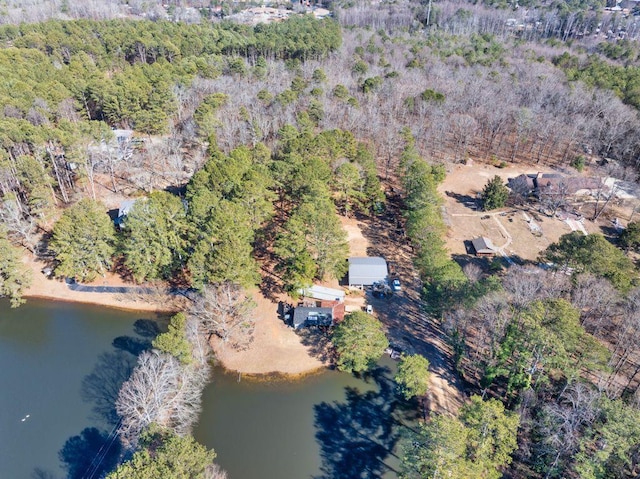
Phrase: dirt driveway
(409, 328)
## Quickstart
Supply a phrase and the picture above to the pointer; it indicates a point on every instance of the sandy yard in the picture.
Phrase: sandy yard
(358, 244)
(276, 348)
(521, 231)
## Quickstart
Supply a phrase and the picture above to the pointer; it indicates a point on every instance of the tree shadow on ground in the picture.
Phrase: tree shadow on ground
(92, 453)
(270, 287)
(467, 200)
(357, 437)
(318, 342)
(610, 232)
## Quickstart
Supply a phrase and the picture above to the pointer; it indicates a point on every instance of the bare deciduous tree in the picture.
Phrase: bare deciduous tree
(473, 272)
(215, 472)
(526, 284)
(201, 350)
(626, 334)
(20, 224)
(493, 313)
(562, 422)
(160, 390)
(225, 311)
(597, 301)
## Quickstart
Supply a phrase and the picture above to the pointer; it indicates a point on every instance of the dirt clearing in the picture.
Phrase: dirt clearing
(522, 232)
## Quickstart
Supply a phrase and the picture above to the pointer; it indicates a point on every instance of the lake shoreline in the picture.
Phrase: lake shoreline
(273, 376)
(276, 351)
(111, 303)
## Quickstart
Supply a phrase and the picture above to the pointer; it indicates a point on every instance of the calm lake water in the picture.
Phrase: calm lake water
(62, 364)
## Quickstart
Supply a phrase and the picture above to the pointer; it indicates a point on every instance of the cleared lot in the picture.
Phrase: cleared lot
(522, 231)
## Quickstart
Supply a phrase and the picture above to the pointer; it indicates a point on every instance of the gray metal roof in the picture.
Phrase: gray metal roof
(125, 207)
(322, 292)
(364, 271)
(483, 245)
(367, 260)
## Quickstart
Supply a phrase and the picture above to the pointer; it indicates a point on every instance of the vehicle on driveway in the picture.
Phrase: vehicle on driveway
(395, 285)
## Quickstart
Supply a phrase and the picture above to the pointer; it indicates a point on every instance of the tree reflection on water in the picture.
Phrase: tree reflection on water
(95, 452)
(358, 436)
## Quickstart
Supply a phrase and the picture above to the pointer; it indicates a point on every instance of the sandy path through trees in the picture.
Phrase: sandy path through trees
(409, 327)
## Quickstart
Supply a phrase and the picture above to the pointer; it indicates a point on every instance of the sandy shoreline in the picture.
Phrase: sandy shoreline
(276, 351)
(49, 288)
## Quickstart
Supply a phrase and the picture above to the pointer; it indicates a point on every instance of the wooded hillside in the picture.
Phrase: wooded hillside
(241, 146)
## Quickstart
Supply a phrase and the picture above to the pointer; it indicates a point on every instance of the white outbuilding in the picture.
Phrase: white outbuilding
(365, 271)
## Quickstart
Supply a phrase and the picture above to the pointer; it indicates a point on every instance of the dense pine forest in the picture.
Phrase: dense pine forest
(242, 145)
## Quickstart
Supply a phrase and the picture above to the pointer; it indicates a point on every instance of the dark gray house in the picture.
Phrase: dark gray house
(553, 184)
(364, 271)
(304, 316)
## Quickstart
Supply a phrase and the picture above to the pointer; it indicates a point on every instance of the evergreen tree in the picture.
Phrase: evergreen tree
(611, 448)
(224, 250)
(313, 233)
(413, 376)
(349, 185)
(155, 236)
(477, 444)
(164, 454)
(592, 253)
(174, 341)
(359, 341)
(438, 451)
(83, 241)
(494, 194)
(543, 340)
(491, 435)
(630, 236)
(14, 278)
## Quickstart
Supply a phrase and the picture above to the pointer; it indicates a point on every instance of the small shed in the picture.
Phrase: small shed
(323, 293)
(125, 207)
(365, 271)
(123, 211)
(122, 136)
(305, 316)
(483, 246)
